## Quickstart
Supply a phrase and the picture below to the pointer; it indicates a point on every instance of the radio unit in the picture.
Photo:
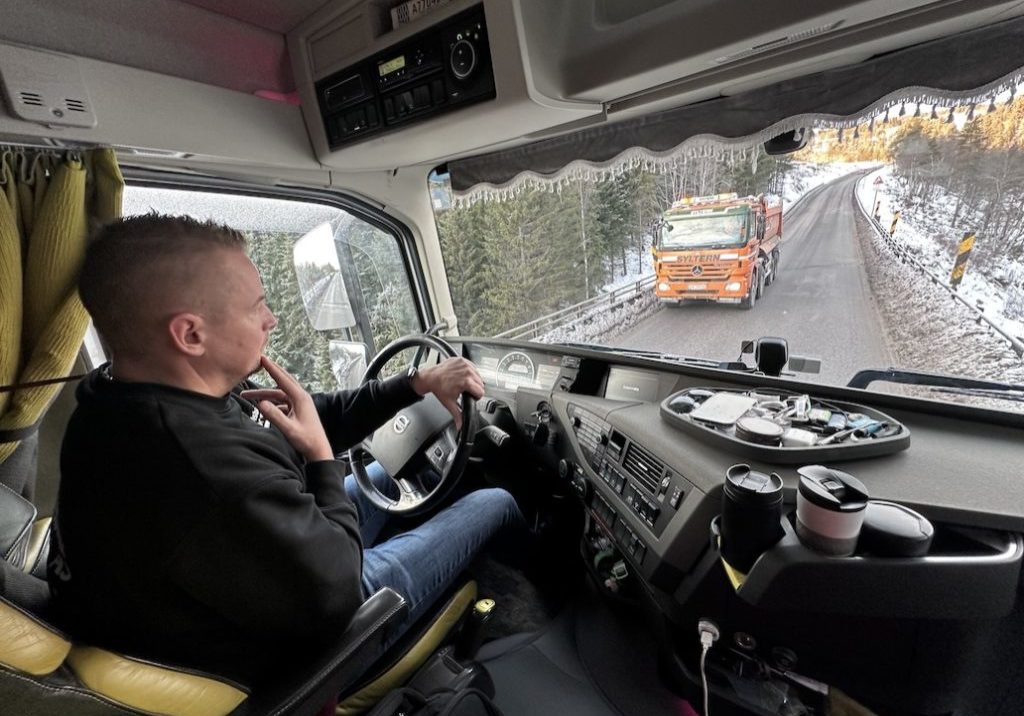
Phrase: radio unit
(440, 69)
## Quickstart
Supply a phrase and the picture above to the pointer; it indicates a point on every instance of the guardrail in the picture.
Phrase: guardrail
(905, 255)
(584, 309)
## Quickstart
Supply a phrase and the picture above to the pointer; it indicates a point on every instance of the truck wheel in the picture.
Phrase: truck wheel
(751, 298)
(761, 280)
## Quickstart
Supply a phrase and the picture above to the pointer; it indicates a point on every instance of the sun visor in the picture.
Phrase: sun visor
(974, 67)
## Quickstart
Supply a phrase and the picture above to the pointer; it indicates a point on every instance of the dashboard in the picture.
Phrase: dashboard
(655, 489)
(652, 494)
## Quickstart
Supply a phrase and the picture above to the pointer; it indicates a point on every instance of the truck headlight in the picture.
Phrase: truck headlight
(734, 286)
(663, 286)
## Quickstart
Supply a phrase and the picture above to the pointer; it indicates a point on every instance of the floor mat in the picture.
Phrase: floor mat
(589, 660)
(521, 607)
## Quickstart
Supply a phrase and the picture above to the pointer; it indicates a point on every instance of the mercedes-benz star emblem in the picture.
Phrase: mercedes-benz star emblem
(400, 424)
(697, 270)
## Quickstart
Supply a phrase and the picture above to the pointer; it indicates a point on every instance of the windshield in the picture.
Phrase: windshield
(899, 243)
(685, 232)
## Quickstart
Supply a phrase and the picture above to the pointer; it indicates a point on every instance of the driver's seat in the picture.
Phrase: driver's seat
(43, 671)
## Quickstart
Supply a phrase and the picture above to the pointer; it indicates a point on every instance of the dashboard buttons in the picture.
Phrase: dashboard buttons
(462, 59)
(677, 496)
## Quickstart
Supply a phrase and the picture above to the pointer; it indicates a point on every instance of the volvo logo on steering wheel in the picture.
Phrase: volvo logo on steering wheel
(400, 424)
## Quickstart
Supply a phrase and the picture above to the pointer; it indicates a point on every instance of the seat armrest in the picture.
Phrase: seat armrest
(307, 685)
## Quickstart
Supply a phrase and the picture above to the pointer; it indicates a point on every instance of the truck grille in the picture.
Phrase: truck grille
(685, 273)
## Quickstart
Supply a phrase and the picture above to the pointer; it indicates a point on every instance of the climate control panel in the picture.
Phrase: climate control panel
(641, 484)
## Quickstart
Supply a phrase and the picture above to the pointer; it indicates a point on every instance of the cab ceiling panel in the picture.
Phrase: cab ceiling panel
(234, 44)
(655, 42)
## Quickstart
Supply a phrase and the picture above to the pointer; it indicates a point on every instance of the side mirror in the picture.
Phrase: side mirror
(788, 143)
(348, 362)
(321, 283)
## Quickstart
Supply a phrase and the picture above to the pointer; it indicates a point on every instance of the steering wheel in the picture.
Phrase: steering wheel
(420, 435)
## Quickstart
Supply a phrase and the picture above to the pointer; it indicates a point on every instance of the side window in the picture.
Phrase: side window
(347, 262)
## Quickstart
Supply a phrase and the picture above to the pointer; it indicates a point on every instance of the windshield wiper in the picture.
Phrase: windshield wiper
(941, 383)
(1015, 395)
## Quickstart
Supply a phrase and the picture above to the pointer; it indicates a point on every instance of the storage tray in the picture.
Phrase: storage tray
(847, 450)
(968, 574)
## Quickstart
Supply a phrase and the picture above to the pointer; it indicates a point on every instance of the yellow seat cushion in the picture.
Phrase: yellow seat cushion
(150, 687)
(27, 645)
(416, 656)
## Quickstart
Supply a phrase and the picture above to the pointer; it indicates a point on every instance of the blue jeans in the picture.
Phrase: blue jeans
(422, 563)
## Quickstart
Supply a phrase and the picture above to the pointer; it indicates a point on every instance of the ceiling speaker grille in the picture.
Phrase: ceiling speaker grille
(44, 87)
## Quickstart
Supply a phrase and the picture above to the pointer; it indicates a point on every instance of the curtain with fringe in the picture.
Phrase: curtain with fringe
(48, 204)
(971, 68)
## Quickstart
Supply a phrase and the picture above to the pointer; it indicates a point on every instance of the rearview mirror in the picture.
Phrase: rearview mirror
(321, 283)
(348, 363)
(788, 143)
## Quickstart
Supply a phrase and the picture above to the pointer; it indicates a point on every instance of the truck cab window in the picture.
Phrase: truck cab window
(353, 262)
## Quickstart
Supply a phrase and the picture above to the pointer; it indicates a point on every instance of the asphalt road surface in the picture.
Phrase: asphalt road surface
(821, 303)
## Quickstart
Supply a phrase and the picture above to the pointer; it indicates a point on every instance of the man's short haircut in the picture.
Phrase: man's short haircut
(124, 258)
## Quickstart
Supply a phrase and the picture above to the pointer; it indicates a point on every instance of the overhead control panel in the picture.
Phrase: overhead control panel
(443, 68)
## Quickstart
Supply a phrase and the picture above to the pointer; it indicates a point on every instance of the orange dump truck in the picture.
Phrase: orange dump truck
(721, 248)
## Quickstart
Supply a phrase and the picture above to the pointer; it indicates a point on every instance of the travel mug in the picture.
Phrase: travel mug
(751, 515)
(829, 510)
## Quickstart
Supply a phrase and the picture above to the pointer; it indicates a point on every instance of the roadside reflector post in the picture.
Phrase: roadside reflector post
(892, 242)
(963, 252)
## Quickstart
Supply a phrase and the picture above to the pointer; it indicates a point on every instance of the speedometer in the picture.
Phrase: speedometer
(515, 369)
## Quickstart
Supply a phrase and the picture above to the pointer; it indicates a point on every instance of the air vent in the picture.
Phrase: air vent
(31, 99)
(44, 87)
(778, 42)
(643, 467)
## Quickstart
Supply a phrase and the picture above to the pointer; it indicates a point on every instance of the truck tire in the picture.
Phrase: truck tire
(762, 279)
(775, 266)
(751, 300)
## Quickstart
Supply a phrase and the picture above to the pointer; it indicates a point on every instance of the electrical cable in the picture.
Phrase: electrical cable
(704, 678)
(708, 632)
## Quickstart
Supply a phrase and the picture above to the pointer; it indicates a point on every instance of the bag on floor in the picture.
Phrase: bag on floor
(409, 702)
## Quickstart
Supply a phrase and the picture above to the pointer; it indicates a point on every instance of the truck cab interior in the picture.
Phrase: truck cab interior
(493, 173)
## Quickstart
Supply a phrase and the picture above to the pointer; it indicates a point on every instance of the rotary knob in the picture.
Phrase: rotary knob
(462, 59)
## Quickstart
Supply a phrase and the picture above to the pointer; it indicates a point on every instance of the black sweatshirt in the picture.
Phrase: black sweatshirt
(190, 534)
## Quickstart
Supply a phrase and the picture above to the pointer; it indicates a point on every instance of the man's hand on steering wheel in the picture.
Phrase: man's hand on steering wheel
(447, 381)
(436, 432)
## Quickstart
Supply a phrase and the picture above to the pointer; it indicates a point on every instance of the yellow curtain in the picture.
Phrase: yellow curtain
(48, 204)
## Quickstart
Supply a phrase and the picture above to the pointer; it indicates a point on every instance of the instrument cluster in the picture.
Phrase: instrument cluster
(509, 369)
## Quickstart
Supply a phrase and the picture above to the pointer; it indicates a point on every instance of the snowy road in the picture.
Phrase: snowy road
(821, 302)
